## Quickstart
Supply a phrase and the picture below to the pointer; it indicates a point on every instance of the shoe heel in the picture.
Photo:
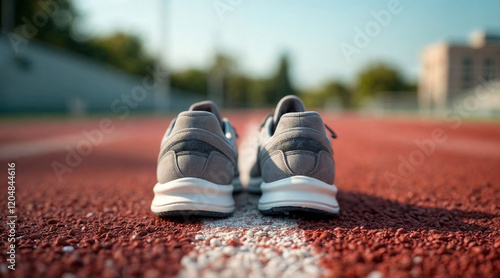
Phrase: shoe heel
(298, 193)
(192, 196)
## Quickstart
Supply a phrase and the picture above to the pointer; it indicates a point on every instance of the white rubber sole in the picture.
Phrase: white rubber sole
(300, 193)
(192, 195)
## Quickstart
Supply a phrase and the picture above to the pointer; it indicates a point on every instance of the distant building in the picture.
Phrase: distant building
(41, 78)
(482, 100)
(449, 69)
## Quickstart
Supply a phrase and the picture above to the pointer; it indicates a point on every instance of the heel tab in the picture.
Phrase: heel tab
(309, 119)
(208, 106)
(198, 119)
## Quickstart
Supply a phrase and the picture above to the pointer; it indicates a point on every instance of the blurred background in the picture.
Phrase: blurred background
(159, 56)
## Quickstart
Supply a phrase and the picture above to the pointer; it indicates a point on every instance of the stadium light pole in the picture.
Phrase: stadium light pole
(163, 93)
(216, 75)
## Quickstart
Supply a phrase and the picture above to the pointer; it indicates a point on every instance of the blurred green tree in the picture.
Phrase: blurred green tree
(220, 73)
(280, 84)
(338, 91)
(332, 91)
(48, 21)
(224, 64)
(378, 79)
(190, 80)
(121, 50)
(53, 22)
(238, 91)
(258, 93)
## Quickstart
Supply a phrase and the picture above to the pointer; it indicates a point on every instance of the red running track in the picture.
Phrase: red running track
(404, 212)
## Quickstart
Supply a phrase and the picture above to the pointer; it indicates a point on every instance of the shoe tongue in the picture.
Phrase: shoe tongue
(208, 106)
(288, 104)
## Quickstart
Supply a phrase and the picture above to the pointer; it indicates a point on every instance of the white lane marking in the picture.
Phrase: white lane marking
(50, 145)
(481, 148)
(465, 145)
(249, 244)
(454, 143)
(451, 144)
(247, 151)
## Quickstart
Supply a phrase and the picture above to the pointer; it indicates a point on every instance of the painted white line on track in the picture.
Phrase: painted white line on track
(49, 145)
(465, 146)
(247, 151)
(249, 244)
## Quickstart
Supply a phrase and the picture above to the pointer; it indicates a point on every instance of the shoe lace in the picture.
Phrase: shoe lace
(263, 123)
(332, 133)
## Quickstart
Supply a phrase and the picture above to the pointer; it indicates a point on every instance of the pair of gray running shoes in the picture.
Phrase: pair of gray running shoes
(198, 164)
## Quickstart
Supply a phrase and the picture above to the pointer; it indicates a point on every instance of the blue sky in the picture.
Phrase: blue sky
(312, 32)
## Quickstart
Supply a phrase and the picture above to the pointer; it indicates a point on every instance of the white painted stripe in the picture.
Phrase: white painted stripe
(249, 244)
(266, 246)
(479, 147)
(247, 151)
(49, 145)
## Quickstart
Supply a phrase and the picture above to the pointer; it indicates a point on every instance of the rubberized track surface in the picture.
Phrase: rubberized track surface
(404, 212)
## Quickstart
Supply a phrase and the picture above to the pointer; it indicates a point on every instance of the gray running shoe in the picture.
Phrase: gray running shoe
(197, 166)
(295, 169)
